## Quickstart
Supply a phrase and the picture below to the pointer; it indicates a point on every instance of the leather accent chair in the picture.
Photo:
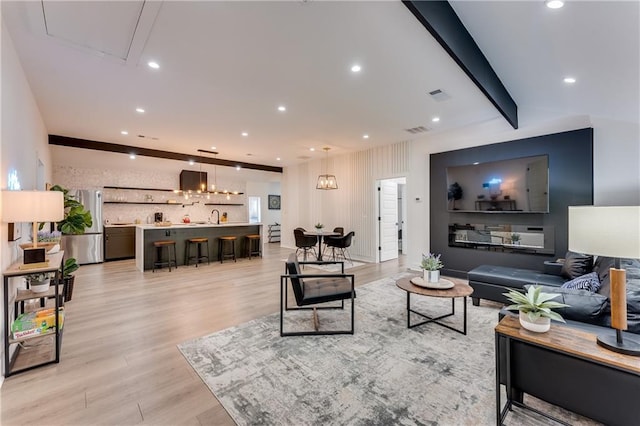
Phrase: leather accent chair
(315, 289)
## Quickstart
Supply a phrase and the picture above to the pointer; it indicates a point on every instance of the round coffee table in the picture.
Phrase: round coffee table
(458, 290)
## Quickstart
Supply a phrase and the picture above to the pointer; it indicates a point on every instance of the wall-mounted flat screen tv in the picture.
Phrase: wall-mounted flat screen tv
(517, 185)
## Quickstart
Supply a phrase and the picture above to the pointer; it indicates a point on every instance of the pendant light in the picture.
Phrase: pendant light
(327, 181)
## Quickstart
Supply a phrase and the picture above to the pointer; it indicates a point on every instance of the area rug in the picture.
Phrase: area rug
(384, 374)
(335, 267)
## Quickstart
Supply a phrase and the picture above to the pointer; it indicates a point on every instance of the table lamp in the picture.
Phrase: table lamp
(32, 206)
(612, 232)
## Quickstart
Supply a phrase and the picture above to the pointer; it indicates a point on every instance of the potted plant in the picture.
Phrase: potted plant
(39, 282)
(76, 218)
(319, 226)
(68, 268)
(454, 193)
(535, 308)
(431, 264)
(515, 238)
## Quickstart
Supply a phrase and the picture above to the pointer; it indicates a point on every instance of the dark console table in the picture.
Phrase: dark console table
(567, 368)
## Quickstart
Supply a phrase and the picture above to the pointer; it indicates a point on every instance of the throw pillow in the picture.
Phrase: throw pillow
(588, 282)
(576, 265)
(583, 306)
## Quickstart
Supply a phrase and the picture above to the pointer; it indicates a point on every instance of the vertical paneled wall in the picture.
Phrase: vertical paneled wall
(353, 205)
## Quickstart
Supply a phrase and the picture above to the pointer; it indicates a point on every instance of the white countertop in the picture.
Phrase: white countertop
(196, 225)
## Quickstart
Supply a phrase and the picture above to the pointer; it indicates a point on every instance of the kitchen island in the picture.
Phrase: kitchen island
(146, 235)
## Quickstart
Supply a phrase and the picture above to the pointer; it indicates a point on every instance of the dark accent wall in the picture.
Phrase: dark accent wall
(570, 184)
(439, 18)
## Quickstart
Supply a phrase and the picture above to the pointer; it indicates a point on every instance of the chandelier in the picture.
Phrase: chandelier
(327, 181)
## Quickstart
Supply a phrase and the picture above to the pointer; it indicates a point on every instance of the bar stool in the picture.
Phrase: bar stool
(253, 245)
(169, 244)
(226, 248)
(198, 241)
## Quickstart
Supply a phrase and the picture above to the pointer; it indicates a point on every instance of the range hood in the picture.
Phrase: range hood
(193, 181)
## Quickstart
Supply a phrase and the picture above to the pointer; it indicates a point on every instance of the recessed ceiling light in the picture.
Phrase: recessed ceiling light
(365, 136)
(213, 147)
(569, 80)
(140, 110)
(312, 149)
(191, 162)
(132, 156)
(476, 163)
(282, 108)
(245, 134)
(153, 64)
(278, 159)
(554, 4)
(435, 119)
(237, 167)
(356, 68)
(124, 132)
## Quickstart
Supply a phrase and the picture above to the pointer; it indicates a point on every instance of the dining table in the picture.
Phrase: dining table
(320, 234)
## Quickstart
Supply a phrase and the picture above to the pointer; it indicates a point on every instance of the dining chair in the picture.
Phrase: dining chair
(304, 243)
(341, 244)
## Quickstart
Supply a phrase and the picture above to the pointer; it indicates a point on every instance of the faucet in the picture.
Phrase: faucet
(216, 210)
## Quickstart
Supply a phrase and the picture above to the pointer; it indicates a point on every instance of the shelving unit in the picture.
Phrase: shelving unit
(178, 200)
(273, 234)
(18, 298)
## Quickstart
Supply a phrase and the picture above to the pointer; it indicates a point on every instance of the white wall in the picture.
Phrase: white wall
(352, 205)
(23, 140)
(263, 190)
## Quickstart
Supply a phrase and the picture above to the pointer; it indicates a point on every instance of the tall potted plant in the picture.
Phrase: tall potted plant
(68, 268)
(76, 218)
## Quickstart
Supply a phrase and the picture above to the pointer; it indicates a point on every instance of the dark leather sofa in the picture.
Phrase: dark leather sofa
(551, 376)
(490, 282)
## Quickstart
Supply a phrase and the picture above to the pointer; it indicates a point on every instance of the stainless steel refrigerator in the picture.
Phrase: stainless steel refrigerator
(87, 247)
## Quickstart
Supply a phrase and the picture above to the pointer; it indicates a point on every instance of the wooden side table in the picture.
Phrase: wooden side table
(567, 368)
(458, 290)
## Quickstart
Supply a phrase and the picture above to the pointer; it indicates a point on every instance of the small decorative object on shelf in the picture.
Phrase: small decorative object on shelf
(39, 282)
(535, 308)
(431, 264)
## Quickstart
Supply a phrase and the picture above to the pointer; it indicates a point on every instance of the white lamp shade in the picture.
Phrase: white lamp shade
(32, 206)
(605, 231)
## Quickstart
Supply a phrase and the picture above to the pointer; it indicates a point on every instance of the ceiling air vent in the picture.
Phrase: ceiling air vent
(439, 96)
(415, 130)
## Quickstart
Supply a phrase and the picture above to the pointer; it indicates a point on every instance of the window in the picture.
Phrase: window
(254, 209)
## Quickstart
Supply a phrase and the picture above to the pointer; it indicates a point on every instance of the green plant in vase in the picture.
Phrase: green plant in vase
(535, 308)
(319, 226)
(431, 264)
(39, 282)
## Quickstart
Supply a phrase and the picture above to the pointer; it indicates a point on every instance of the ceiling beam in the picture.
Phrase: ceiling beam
(145, 152)
(439, 18)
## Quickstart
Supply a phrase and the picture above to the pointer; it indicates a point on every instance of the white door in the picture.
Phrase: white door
(388, 219)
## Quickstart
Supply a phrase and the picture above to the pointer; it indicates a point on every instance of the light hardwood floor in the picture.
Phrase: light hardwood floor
(120, 364)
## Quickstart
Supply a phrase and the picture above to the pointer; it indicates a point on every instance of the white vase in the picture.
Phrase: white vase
(541, 325)
(39, 286)
(431, 276)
